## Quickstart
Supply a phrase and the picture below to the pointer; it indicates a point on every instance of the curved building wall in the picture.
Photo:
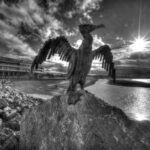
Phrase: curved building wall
(15, 69)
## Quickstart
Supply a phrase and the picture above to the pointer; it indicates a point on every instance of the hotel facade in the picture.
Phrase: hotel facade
(16, 69)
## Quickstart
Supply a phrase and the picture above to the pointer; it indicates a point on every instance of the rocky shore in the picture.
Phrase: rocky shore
(12, 106)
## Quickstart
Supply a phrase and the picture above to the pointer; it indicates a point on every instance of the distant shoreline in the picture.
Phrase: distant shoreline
(50, 90)
(130, 82)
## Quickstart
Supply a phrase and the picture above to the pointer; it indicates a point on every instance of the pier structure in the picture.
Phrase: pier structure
(11, 68)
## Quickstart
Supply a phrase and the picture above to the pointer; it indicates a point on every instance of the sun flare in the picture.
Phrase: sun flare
(139, 44)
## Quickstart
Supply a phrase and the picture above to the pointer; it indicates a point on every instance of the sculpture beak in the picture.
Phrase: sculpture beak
(87, 28)
(99, 26)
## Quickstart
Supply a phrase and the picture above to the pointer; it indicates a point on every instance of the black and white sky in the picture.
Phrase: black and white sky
(26, 24)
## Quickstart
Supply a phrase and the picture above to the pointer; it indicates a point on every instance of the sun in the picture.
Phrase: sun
(139, 44)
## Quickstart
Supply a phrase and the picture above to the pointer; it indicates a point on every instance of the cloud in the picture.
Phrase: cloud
(77, 44)
(15, 43)
(31, 22)
(87, 6)
(90, 4)
(56, 59)
(24, 23)
(127, 57)
(140, 55)
(80, 9)
(97, 42)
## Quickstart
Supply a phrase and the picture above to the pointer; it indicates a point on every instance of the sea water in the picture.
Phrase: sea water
(133, 100)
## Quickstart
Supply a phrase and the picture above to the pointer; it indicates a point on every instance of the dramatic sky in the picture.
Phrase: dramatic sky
(26, 24)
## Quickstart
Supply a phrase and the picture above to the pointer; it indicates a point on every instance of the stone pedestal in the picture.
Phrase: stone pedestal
(88, 124)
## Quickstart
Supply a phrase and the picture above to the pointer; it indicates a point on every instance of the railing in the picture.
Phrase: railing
(16, 68)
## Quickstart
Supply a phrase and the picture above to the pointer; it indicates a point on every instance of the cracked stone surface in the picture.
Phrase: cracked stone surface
(87, 124)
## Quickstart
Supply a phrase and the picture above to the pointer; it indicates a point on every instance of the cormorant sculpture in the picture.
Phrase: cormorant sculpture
(79, 60)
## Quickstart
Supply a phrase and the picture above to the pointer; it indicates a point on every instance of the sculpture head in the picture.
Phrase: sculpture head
(87, 28)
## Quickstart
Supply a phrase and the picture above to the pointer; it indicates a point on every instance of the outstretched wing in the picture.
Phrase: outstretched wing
(104, 53)
(59, 45)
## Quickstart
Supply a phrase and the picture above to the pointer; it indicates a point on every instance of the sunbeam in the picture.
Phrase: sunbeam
(140, 44)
